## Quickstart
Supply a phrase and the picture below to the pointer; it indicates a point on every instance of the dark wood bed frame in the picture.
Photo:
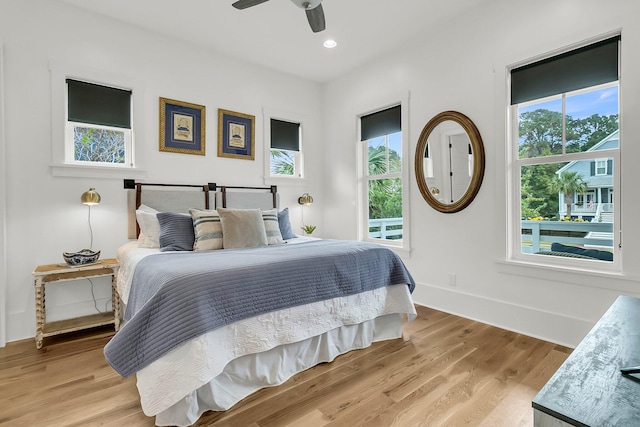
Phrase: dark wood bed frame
(130, 184)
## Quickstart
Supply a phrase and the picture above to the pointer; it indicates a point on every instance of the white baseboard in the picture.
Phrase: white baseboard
(553, 327)
(20, 325)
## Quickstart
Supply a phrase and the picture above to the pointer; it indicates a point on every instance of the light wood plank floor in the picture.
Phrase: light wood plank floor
(445, 371)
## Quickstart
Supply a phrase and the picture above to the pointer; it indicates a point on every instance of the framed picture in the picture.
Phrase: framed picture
(182, 127)
(236, 132)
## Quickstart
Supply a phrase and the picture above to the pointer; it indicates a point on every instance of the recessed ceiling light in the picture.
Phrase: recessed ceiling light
(330, 44)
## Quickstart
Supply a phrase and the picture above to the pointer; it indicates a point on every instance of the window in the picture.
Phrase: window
(97, 109)
(98, 126)
(565, 149)
(381, 135)
(284, 141)
(601, 167)
(285, 159)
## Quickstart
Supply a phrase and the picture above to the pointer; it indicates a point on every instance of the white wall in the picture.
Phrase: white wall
(461, 66)
(44, 214)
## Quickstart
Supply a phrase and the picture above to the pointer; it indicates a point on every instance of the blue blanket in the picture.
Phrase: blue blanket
(178, 296)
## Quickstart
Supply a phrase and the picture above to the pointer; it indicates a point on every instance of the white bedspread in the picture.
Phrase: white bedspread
(128, 256)
(197, 362)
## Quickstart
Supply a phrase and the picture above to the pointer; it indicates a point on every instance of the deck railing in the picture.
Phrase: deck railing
(587, 208)
(540, 234)
(536, 235)
(385, 228)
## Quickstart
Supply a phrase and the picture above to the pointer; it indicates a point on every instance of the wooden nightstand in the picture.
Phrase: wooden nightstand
(53, 273)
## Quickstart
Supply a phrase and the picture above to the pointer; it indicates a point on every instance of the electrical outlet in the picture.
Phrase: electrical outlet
(452, 279)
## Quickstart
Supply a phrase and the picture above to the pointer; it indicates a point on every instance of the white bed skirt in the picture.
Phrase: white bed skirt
(247, 374)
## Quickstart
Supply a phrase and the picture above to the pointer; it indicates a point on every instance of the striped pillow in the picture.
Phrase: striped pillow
(271, 226)
(207, 230)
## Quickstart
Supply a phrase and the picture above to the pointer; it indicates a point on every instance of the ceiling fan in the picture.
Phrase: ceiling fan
(315, 14)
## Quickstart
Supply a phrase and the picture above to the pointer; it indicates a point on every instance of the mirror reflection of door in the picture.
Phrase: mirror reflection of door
(449, 176)
(459, 173)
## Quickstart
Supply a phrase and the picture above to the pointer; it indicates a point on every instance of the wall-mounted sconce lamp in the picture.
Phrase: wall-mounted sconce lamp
(306, 199)
(90, 197)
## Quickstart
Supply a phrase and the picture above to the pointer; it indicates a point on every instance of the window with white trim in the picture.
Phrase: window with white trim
(285, 149)
(601, 166)
(381, 137)
(98, 124)
(565, 156)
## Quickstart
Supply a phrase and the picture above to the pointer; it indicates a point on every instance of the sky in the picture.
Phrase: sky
(395, 142)
(603, 101)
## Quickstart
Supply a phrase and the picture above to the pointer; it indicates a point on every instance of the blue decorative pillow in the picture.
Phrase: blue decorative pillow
(176, 232)
(593, 253)
(285, 224)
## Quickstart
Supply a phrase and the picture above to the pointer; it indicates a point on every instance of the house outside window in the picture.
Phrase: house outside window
(381, 135)
(285, 151)
(98, 128)
(565, 153)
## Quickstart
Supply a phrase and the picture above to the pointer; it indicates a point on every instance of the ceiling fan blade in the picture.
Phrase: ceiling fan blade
(243, 4)
(315, 17)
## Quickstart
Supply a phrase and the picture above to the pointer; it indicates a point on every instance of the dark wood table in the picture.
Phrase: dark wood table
(588, 389)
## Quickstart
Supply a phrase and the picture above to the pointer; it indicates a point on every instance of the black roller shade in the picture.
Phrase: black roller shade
(577, 69)
(380, 123)
(285, 135)
(99, 105)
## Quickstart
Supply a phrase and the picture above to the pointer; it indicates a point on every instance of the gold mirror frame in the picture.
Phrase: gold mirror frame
(478, 162)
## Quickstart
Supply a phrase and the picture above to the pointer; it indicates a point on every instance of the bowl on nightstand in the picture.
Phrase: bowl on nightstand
(82, 257)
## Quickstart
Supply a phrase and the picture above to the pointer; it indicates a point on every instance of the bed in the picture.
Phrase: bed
(212, 313)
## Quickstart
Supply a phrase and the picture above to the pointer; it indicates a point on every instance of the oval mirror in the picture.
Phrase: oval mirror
(449, 162)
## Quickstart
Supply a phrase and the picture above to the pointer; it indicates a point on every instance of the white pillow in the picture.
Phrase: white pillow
(149, 227)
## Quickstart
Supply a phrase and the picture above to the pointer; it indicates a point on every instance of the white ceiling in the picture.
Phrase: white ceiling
(276, 33)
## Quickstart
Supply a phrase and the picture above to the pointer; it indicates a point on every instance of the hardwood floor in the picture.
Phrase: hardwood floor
(446, 371)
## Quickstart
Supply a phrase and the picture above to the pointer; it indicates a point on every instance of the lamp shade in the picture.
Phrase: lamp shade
(90, 197)
(305, 199)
